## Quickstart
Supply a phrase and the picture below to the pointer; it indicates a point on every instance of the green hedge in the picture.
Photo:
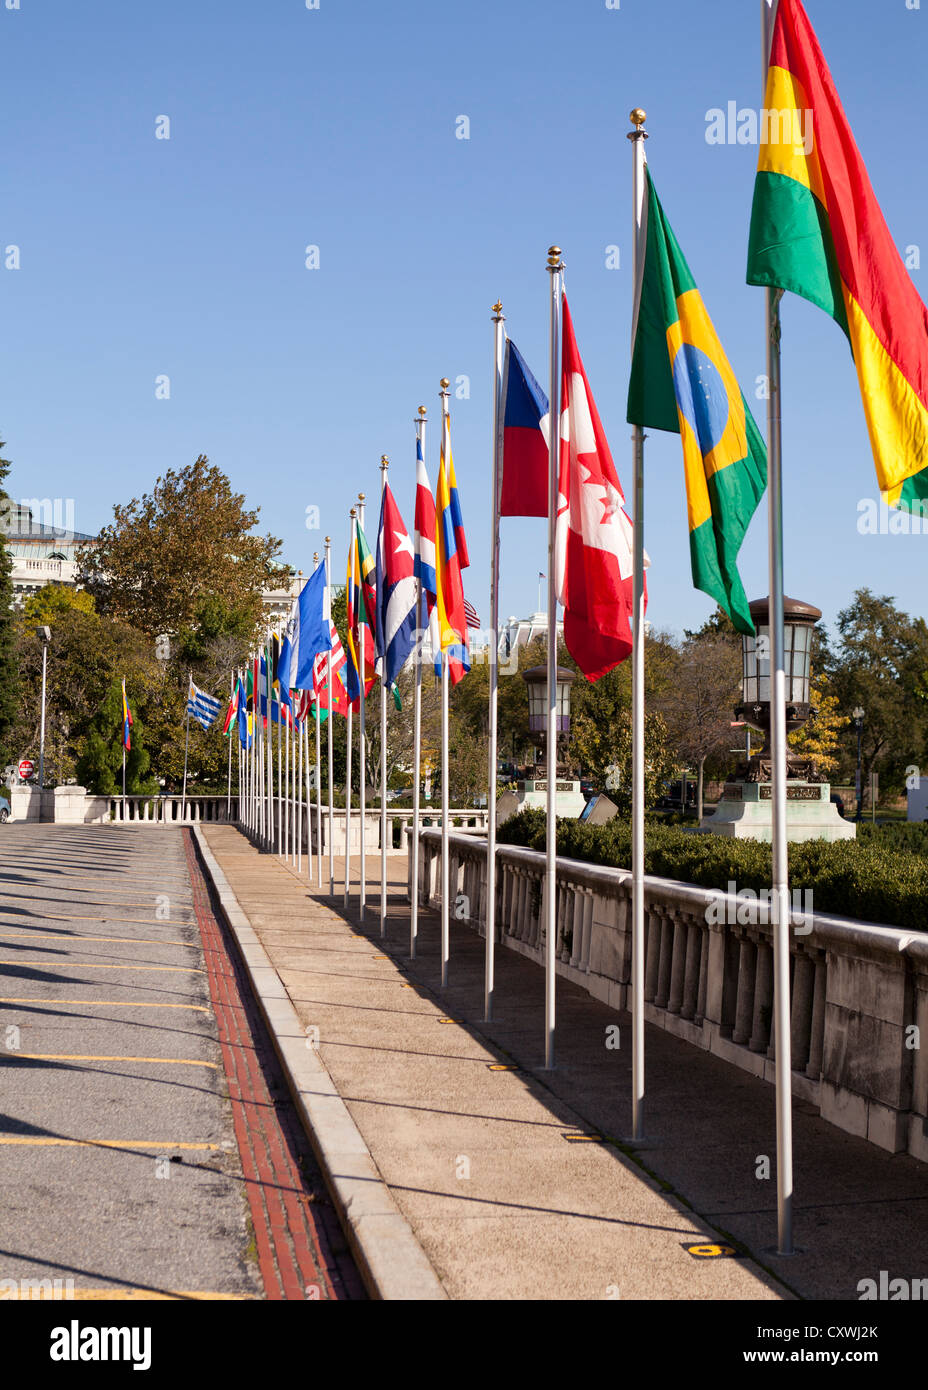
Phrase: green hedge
(881, 878)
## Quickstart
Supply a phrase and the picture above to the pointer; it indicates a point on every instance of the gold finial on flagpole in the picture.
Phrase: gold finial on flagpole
(384, 463)
(316, 557)
(328, 540)
(422, 412)
(360, 496)
(353, 512)
(498, 314)
(638, 118)
(445, 383)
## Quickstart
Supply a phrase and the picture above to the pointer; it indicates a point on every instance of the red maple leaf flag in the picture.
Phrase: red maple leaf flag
(593, 538)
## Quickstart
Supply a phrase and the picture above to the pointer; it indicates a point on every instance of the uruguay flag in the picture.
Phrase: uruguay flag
(525, 421)
(396, 591)
(305, 636)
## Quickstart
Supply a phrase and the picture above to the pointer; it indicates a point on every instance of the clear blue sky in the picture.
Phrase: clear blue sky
(336, 127)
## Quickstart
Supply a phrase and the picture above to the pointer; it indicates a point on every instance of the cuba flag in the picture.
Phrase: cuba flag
(306, 635)
(681, 381)
(524, 424)
(396, 590)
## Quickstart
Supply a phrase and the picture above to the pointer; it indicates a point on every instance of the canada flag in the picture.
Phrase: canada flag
(593, 539)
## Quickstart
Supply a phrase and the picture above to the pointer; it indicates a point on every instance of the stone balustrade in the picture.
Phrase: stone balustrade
(859, 992)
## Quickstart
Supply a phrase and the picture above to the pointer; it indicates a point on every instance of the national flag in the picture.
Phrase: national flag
(470, 615)
(243, 717)
(396, 590)
(305, 636)
(126, 720)
(361, 614)
(202, 707)
(681, 381)
(450, 559)
(525, 425)
(593, 537)
(232, 711)
(320, 690)
(817, 230)
(424, 546)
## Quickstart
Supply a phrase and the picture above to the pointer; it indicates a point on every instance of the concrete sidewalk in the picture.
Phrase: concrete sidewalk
(491, 1168)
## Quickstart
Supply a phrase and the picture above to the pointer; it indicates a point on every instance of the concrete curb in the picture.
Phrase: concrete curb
(392, 1263)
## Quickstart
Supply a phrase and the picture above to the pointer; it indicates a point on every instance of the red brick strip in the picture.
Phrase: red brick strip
(301, 1251)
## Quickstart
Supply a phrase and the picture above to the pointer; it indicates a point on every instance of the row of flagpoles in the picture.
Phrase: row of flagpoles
(560, 467)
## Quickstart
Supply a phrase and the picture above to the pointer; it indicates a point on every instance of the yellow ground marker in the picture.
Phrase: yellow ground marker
(94, 965)
(45, 1143)
(136, 921)
(126, 1296)
(93, 1057)
(101, 1003)
(80, 936)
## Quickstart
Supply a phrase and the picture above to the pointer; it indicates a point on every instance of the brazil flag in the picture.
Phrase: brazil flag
(681, 381)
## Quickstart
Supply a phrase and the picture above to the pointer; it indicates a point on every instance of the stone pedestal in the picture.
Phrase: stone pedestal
(569, 799)
(745, 812)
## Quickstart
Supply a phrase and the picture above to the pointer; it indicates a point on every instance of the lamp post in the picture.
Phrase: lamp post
(798, 621)
(45, 635)
(536, 678)
(859, 726)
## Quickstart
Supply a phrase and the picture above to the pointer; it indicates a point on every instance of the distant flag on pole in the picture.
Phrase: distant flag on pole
(243, 717)
(470, 614)
(451, 558)
(593, 537)
(202, 707)
(396, 590)
(424, 546)
(525, 423)
(231, 712)
(320, 691)
(305, 636)
(126, 720)
(361, 612)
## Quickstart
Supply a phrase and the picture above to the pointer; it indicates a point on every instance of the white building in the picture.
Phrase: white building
(43, 552)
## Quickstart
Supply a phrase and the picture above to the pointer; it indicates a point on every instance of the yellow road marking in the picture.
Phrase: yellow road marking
(124, 1295)
(136, 921)
(100, 1143)
(80, 936)
(93, 1057)
(100, 1003)
(94, 965)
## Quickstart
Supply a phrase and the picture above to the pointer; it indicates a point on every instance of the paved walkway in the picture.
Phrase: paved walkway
(492, 1168)
(148, 1148)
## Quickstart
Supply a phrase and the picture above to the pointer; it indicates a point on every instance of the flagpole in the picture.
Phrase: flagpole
(362, 729)
(285, 739)
(269, 740)
(351, 542)
(384, 465)
(183, 797)
(328, 594)
(229, 792)
(555, 270)
(780, 880)
(417, 727)
(638, 137)
(445, 856)
(499, 347)
(281, 842)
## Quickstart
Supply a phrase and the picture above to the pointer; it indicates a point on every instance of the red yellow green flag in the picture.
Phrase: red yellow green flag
(817, 230)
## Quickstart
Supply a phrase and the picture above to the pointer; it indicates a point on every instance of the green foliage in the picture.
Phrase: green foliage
(99, 767)
(862, 879)
(53, 601)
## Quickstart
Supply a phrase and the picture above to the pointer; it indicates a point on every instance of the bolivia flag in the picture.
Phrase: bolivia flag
(817, 230)
(681, 381)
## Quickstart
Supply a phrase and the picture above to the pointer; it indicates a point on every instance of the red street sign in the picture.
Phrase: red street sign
(26, 768)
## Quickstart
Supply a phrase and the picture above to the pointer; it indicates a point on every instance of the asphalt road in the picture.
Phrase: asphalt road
(125, 1166)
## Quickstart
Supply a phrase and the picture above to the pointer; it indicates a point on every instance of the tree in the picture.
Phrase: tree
(99, 767)
(698, 704)
(170, 552)
(9, 673)
(820, 736)
(880, 665)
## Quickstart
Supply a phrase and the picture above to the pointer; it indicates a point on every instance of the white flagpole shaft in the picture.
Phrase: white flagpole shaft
(318, 798)
(280, 784)
(445, 760)
(555, 269)
(183, 797)
(780, 884)
(331, 758)
(638, 137)
(384, 465)
(269, 739)
(229, 792)
(417, 735)
(288, 828)
(362, 738)
(489, 971)
(299, 793)
(350, 712)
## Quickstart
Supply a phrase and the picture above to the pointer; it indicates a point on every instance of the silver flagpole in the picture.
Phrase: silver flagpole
(445, 817)
(555, 270)
(304, 740)
(331, 832)
(288, 761)
(352, 514)
(780, 894)
(269, 740)
(362, 733)
(384, 465)
(638, 137)
(298, 792)
(183, 795)
(499, 341)
(281, 842)
(417, 727)
(229, 792)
